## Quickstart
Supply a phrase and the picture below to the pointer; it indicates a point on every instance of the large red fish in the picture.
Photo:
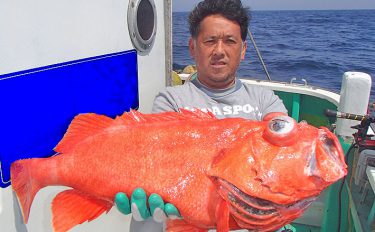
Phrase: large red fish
(225, 174)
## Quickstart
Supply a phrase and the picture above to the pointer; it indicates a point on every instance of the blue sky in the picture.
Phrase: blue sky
(187, 5)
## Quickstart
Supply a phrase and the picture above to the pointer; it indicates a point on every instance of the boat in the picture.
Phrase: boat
(55, 56)
(62, 58)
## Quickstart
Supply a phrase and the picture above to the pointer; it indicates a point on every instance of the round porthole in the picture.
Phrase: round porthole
(142, 24)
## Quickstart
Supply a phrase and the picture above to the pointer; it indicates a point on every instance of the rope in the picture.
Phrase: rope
(258, 53)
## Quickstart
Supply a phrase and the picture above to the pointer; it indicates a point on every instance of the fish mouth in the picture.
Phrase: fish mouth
(330, 145)
(326, 161)
(256, 213)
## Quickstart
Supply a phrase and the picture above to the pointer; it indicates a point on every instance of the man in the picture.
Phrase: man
(218, 44)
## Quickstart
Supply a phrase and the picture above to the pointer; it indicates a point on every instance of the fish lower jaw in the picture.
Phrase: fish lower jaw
(258, 214)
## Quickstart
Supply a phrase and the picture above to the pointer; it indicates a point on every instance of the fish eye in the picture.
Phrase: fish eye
(281, 131)
(280, 125)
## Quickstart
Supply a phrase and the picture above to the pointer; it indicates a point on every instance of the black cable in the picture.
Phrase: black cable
(286, 229)
(342, 185)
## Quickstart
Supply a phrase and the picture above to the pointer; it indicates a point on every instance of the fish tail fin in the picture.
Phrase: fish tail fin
(24, 185)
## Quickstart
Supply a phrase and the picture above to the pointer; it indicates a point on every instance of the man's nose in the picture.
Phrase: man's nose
(219, 48)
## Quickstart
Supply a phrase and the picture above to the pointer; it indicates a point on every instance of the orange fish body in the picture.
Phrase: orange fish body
(222, 174)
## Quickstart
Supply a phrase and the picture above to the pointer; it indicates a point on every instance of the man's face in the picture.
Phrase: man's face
(217, 50)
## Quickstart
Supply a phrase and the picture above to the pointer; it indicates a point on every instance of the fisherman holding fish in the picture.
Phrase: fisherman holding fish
(228, 174)
(218, 31)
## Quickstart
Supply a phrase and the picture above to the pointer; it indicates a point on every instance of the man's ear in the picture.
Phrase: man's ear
(243, 52)
(192, 47)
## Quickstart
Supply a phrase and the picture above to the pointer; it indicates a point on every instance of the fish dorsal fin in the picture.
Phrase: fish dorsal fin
(183, 115)
(71, 208)
(86, 125)
(178, 225)
(82, 127)
(133, 117)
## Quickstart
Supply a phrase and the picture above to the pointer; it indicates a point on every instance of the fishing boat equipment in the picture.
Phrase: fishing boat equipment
(294, 79)
(361, 141)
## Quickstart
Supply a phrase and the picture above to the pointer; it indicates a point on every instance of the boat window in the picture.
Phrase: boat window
(142, 24)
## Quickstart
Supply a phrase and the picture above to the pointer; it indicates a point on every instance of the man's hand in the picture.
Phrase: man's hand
(138, 206)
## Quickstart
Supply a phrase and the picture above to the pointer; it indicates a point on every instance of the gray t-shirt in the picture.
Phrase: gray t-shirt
(241, 100)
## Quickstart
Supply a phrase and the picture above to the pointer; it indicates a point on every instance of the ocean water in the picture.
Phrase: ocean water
(318, 46)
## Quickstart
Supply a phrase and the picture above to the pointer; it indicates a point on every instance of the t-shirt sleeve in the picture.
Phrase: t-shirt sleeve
(271, 103)
(164, 102)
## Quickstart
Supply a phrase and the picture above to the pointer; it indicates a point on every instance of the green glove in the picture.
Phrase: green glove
(138, 206)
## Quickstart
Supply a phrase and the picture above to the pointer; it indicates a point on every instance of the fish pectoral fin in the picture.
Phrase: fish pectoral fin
(71, 207)
(222, 217)
(178, 225)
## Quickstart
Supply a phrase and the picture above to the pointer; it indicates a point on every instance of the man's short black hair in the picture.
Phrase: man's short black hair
(230, 9)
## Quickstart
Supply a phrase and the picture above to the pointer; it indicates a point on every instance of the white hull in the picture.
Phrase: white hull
(42, 32)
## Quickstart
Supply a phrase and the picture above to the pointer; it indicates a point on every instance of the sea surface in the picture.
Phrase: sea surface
(318, 46)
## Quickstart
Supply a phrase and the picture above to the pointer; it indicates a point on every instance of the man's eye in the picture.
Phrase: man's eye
(231, 41)
(209, 41)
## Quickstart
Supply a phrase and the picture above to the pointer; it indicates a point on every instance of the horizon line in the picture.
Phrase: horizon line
(251, 10)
